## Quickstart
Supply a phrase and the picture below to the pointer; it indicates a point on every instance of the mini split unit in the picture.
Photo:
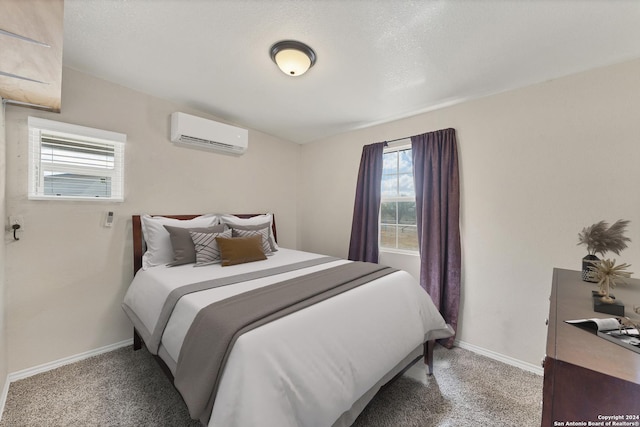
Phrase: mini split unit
(197, 132)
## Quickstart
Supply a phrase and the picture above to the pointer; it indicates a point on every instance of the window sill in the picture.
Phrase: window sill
(399, 252)
(77, 199)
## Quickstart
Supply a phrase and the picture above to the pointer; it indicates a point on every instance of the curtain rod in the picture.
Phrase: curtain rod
(396, 140)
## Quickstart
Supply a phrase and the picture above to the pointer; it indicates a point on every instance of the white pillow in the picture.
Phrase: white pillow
(232, 220)
(159, 250)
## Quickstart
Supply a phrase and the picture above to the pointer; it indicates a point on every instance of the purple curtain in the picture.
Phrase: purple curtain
(364, 228)
(435, 172)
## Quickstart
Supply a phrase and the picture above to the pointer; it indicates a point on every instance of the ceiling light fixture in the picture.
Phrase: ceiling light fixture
(293, 57)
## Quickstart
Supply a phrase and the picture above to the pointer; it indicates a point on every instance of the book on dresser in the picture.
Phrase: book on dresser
(612, 330)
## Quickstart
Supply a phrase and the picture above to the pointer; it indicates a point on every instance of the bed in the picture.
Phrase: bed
(316, 363)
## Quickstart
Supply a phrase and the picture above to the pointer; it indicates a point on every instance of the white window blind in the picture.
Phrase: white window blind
(74, 162)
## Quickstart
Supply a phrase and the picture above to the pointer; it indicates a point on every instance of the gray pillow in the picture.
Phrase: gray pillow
(184, 252)
(258, 227)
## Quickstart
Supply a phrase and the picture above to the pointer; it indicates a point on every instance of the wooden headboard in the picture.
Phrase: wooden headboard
(138, 239)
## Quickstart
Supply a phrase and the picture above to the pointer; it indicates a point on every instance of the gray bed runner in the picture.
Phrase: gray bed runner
(152, 339)
(211, 336)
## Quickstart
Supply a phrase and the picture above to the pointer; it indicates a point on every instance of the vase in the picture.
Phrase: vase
(587, 262)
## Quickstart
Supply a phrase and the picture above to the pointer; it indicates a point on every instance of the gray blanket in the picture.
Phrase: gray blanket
(152, 338)
(211, 336)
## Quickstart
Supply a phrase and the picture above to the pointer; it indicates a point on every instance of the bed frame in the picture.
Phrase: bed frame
(139, 248)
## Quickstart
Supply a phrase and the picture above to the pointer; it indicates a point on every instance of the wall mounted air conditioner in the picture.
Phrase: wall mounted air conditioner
(197, 132)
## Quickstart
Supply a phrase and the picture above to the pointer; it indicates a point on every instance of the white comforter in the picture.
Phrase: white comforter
(309, 367)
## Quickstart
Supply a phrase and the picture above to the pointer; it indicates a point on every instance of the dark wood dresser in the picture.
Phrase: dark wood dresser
(588, 381)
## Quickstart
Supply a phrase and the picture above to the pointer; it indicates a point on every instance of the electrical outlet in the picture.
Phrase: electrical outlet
(16, 219)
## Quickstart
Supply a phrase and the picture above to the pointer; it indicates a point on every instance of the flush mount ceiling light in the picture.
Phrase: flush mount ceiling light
(292, 57)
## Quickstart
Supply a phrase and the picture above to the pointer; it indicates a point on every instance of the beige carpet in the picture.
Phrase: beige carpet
(466, 390)
(127, 388)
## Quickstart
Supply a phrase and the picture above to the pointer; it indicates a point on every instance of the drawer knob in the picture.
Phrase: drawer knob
(543, 359)
(546, 322)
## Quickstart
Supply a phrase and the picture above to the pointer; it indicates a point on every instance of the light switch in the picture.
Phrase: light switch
(109, 221)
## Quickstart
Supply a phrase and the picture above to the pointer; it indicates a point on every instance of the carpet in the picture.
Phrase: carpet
(127, 388)
(466, 389)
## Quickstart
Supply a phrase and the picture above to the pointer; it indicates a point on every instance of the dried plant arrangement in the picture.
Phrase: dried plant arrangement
(607, 273)
(599, 238)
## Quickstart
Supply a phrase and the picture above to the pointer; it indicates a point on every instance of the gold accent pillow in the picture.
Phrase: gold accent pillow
(239, 250)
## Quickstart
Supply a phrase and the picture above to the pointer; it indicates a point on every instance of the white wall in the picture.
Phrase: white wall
(537, 165)
(3, 221)
(67, 275)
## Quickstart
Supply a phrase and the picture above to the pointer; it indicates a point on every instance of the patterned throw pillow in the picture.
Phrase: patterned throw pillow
(184, 252)
(207, 250)
(159, 249)
(263, 232)
(253, 223)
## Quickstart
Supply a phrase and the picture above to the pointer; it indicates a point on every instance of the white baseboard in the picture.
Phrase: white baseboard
(3, 398)
(500, 357)
(25, 373)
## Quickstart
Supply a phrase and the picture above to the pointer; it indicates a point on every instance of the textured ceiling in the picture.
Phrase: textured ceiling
(378, 60)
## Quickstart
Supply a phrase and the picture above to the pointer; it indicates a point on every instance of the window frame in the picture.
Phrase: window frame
(42, 132)
(400, 145)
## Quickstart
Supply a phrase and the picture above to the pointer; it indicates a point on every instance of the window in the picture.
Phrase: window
(398, 225)
(74, 162)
